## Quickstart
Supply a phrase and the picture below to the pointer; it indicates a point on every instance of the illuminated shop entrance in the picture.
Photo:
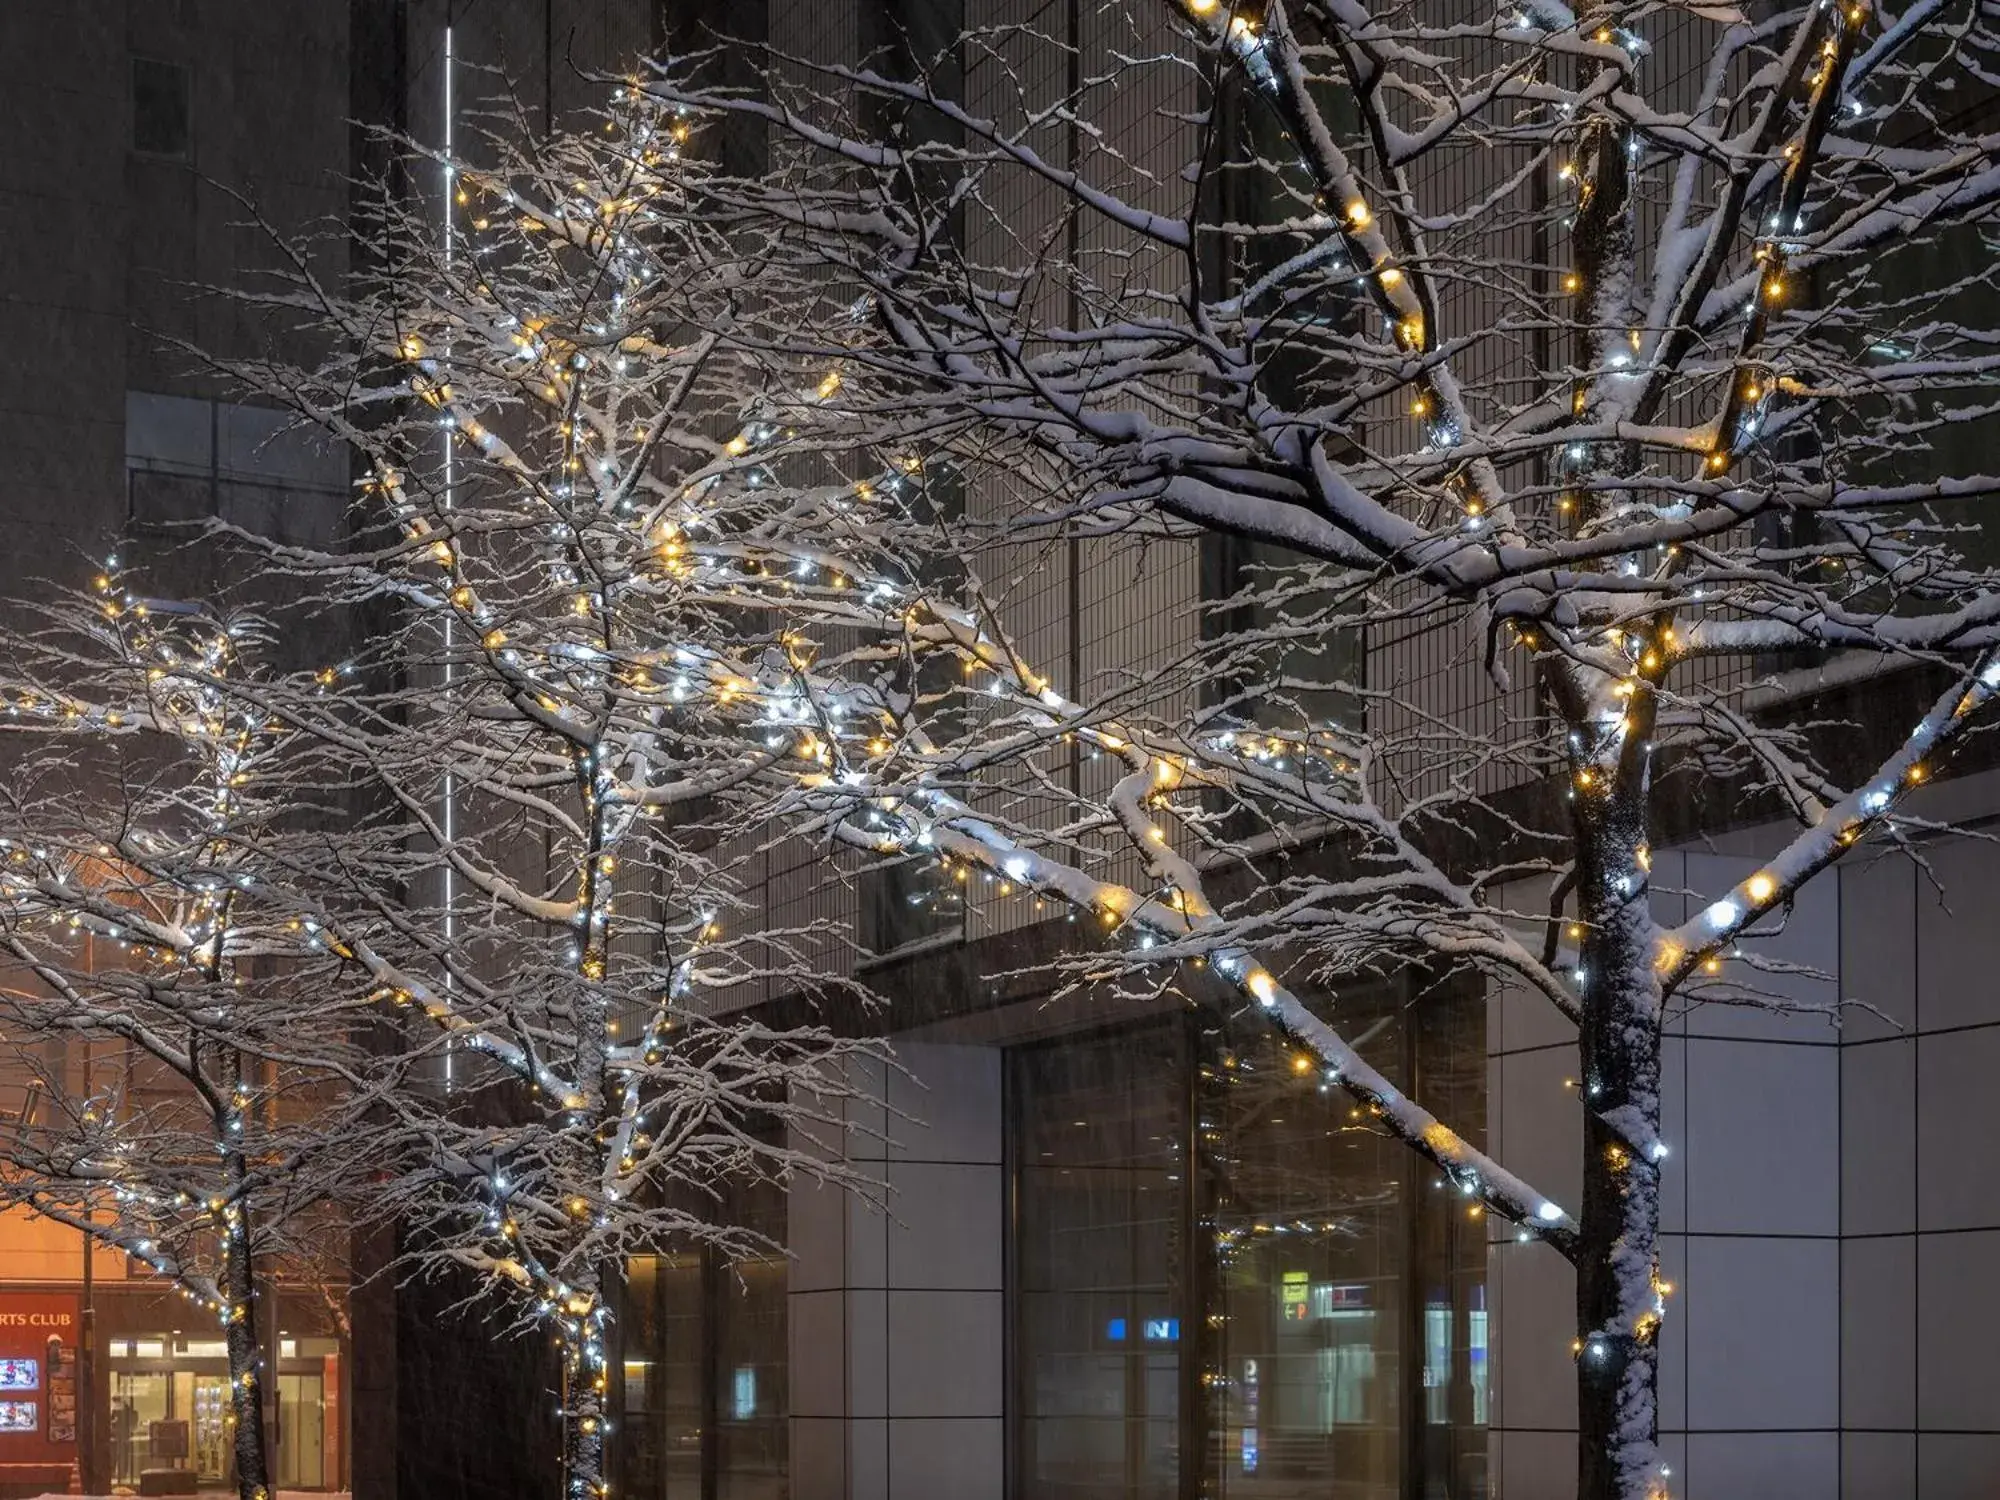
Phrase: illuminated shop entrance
(169, 1407)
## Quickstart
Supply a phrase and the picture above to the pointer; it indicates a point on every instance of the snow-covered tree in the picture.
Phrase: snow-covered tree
(544, 732)
(704, 497)
(1625, 382)
(190, 1083)
(246, 1013)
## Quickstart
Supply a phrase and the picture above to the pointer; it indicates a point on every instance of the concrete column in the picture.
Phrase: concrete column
(897, 1308)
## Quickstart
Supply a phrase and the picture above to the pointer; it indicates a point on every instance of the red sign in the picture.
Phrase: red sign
(38, 1332)
(330, 1415)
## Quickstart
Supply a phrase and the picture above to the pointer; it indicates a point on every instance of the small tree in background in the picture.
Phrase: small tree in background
(194, 1091)
(544, 877)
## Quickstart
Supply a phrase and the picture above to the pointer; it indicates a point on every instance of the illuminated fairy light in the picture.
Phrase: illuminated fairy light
(763, 697)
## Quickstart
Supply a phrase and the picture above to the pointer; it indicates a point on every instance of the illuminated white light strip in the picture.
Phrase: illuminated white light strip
(448, 822)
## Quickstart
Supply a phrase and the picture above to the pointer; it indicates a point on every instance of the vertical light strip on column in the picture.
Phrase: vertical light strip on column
(448, 821)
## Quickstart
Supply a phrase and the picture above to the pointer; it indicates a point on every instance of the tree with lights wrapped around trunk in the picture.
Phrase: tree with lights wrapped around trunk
(494, 836)
(252, 1014)
(196, 1096)
(698, 496)
(1487, 324)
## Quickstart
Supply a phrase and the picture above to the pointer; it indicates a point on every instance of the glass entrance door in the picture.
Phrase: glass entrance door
(139, 1398)
(301, 1432)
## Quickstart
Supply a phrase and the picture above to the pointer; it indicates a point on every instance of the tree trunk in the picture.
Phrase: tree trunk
(246, 1397)
(1618, 1291)
(585, 1383)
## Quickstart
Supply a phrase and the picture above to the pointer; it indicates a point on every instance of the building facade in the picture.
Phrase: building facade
(137, 141)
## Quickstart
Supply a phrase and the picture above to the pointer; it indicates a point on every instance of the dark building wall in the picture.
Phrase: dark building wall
(137, 138)
(477, 1398)
(63, 125)
(136, 141)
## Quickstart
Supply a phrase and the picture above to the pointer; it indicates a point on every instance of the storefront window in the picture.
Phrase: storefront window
(301, 1437)
(1307, 1222)
(138, 1400)
(210, 1405)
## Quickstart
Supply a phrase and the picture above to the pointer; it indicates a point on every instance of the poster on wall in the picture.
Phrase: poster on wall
(62, 1392)
(20, 1375)
(19, 1416)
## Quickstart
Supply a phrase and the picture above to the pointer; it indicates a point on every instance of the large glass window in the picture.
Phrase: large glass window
(749, 1378)
(169, 1409)
(1447, 1055)
(663, 1374)
(1102, 1226)
(1229, 1283)
(702, 1367)
(138, 1403)
(187, 460)
(1251, 229)
(1308, 1225)
(301, 1429)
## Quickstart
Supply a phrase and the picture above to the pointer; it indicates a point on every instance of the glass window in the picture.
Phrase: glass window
(752, 1447)
(1448, 1057)
(1221, 1264)
(663, 1374)
(301, 1432)
(137, 1401)
(1099, 1319)
(169, 500)
(913, 902)
(1307, 1223)
(1251, 229)
(188, 459)
(212, 1445)
(702, 1367)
